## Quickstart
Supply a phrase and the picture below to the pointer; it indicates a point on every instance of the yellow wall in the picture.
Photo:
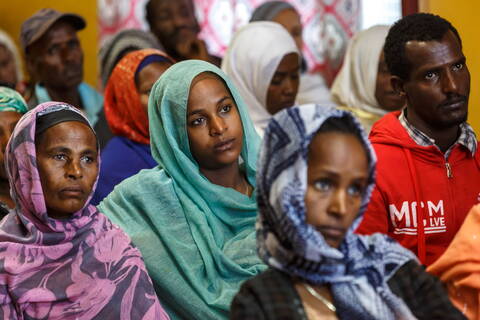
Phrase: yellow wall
(463, 14)
(14, 12)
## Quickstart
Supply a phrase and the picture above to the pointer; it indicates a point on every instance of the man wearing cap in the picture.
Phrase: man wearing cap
(54, 59)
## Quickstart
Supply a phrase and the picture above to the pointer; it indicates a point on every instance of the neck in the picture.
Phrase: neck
(70, 96)
(228, 177)
(5, 193)
(444, 138)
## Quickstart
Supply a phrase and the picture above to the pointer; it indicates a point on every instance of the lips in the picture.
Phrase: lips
(454, 103)
(73, 192)
(332, 233)
(224, 145)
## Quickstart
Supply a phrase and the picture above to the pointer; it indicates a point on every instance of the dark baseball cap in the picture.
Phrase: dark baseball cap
(36, 26)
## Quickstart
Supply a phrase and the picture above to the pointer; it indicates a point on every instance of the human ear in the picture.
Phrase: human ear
(398, 85)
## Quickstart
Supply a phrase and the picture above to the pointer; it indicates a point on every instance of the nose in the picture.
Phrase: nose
(338, 203)
(449, 84)
(180, 20)
(289, 87)
(217, 126)
(74, 170)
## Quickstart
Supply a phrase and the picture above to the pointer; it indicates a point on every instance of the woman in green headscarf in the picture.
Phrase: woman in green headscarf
(12, 107)
(193, 215)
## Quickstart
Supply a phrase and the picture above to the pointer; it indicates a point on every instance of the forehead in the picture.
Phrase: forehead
(431, 54)
(287, 17)
(68, 134)
(56, 31)
(337, 149)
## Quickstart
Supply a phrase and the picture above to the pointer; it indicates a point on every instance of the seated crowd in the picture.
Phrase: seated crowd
(200, 187)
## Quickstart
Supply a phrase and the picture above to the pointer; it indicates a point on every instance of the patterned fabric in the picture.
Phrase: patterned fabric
(327, 25)
(357, 272)
(11, 100)
(123, 110)
(467, 137)
(92, 101)
(198, 238)
(272, 295)
(83, 267)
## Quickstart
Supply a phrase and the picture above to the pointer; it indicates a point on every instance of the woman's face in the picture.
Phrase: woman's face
(146, 78)
(283, 88)
(384, 93)
(214, 127)
(8, 120)
(290, 20)
(68, 167)
(8, 73)
(336, 181)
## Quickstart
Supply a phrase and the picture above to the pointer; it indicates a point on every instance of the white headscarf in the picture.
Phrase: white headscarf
(355, 84)
(251, 60)
(6, 41)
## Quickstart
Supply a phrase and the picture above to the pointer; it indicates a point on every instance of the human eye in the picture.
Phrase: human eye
(276, 80)
(53, 50)
(73, 44)
(197, 121)
(458, 66)
(355, 190)
(226, 108)
(323, 185)
(88, 159)
(59, 156)
(431, 75)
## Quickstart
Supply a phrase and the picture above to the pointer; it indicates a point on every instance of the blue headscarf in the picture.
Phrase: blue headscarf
(358, 271)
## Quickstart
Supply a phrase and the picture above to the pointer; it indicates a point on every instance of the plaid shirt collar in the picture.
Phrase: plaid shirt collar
(467, 136)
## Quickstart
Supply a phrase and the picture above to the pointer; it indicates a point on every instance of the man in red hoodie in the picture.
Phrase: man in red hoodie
(428, 166)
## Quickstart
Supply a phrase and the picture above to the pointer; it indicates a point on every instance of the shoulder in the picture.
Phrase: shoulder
(269, 295)
(423, 293)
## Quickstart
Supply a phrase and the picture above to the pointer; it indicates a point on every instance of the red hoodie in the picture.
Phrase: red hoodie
(415, 183)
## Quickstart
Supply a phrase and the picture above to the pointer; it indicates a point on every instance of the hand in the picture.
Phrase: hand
(192, 48)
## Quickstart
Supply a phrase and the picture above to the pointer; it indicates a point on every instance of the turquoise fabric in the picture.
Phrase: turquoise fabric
(92, 100)
(197, 238)
(11, 100)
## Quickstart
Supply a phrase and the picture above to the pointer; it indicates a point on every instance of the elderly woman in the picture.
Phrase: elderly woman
(309, 205)
(193, 215)
(12, 107)
(363, 84)
(60, 258)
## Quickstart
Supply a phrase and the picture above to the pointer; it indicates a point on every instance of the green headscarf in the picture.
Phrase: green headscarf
(197, 238)
(11, 100)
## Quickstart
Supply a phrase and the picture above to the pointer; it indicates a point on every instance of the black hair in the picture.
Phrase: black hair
(414, 27)
(344, 125)
(149, 11)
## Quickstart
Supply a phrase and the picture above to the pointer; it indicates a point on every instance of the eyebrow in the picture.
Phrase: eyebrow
(67, 150)
(196, 111)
